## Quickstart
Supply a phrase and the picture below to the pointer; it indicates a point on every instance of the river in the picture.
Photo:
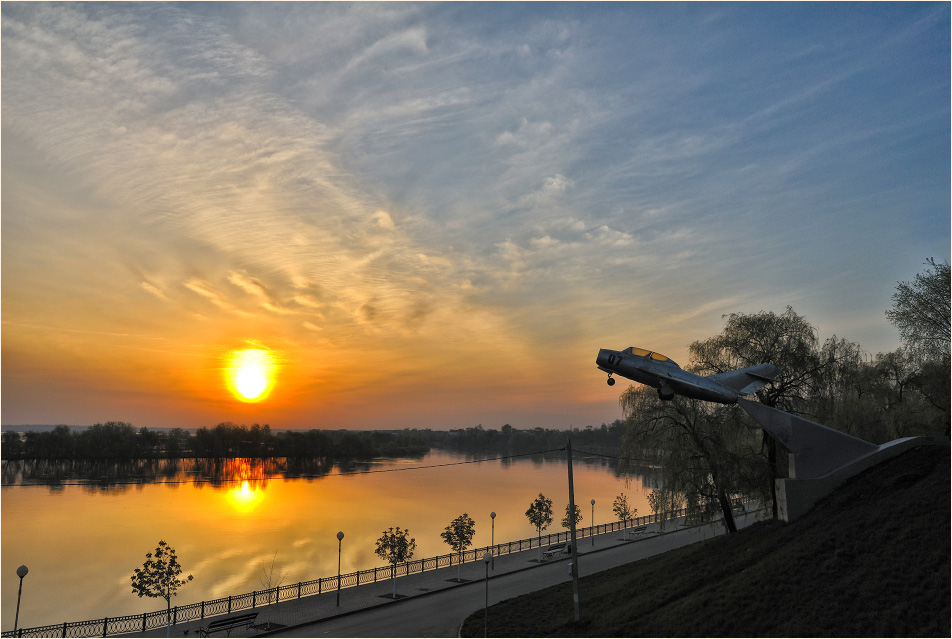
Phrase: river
(81, 538)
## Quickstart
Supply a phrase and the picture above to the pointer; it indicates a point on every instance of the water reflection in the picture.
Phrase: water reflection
(100, 475)
(244, 498)
(228, 518)
(103, 475)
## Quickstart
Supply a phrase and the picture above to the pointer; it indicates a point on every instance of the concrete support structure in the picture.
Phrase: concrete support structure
(819, 459)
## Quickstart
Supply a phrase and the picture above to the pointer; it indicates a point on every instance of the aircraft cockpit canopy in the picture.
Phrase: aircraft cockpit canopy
(640, 352)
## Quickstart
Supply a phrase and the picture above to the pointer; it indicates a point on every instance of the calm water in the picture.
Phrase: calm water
(81, 542)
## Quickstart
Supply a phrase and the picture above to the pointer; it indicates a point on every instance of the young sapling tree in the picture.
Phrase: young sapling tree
(623, 511)
(539, 515)
(396, 546)
(271, 582)
(459, 535)
(159, 577)
(566, 522)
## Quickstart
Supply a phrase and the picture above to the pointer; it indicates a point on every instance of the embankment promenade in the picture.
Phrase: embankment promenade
(434, 604)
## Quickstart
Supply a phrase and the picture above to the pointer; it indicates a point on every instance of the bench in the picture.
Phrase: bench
(228, 624)
(557, 549)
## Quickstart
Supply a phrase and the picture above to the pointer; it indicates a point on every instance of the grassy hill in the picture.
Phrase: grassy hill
(872, 560)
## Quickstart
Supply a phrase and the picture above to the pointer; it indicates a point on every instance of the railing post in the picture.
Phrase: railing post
(229, 604)
(299, 590)
(254, 597)
(105, 622)
(203, 611)
(64, 629)
(174, 614)
(143, 625)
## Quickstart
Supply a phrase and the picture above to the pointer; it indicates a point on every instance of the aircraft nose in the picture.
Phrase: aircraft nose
(602, 359)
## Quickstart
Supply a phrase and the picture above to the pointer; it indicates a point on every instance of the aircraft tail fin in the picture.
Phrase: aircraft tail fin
(748, 380)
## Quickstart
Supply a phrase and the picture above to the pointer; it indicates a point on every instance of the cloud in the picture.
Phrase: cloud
(206, 291)
(257, 289)
(383, 220)
(608, 236)
(307, 301)
(526, 134)
(248, 284)
(411, 40)
(154, 290)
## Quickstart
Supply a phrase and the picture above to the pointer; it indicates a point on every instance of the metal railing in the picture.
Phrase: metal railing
(128, 624)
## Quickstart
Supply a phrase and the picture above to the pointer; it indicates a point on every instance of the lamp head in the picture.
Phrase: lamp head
(593, 502)
(493, 514)
(340, 536)
(487, 556)
(21, 571)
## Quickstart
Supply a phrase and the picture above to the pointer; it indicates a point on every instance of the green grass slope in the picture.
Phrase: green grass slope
(872, 560)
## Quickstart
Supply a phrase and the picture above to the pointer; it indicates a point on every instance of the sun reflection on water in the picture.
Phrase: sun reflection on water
(244, 498)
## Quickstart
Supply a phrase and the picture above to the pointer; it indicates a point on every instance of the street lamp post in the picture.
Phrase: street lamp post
(21, 573)
(487, 557)
(340, 538)
(593, 522)
(492, 516)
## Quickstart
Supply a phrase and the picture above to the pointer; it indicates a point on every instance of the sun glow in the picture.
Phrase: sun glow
(245, 499)
(250, 374)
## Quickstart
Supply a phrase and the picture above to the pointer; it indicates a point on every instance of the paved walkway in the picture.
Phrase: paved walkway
(434, 603)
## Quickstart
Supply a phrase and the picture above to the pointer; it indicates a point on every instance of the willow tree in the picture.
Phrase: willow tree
(812, 373)
(665, 506)
(923, 314)
(921, 311)
(786, 340)
(708, 454)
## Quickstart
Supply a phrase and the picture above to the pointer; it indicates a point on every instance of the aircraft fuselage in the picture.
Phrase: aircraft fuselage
(664, 374)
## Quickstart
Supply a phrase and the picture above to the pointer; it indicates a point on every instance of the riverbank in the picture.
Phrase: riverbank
(433, 603)
(871, 560)
(225, 534)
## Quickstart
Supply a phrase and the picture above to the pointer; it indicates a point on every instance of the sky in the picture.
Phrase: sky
(433, 215)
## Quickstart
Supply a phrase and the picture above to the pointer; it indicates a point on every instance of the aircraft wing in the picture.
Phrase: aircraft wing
(748, 380)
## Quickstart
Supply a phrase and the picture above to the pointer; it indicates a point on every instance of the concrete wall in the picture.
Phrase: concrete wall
(796, 497)
(821, 459)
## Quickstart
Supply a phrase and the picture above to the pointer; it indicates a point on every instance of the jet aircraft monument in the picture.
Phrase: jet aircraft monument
(656, 370)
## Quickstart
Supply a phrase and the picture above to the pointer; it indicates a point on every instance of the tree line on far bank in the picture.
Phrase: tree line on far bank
(513, 441)
(123, 441)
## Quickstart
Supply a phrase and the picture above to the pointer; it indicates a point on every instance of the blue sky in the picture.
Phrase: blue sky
(435, 214)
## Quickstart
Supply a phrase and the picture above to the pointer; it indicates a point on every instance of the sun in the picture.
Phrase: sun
(249, 374)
